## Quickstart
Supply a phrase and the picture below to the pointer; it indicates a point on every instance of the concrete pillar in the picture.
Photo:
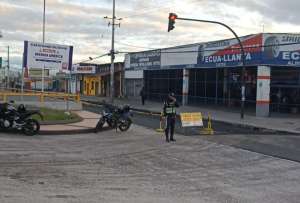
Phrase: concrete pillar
(263, 91)
(185, 86)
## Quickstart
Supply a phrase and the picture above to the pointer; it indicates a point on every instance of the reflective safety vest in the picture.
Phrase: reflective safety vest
(170, 109)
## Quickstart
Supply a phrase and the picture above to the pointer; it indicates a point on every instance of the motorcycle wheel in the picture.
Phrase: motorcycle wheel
(31, 127)
(99, 125)
(124, 124)
(3, 127)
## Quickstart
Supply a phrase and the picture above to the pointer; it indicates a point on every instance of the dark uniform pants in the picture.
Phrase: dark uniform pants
(170, 125)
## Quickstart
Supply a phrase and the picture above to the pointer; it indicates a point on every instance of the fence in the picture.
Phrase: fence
(13, 92)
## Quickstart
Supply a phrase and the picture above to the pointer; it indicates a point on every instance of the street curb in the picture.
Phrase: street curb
(86, 102)
(253, 127)
(66, 132)
(69, 132)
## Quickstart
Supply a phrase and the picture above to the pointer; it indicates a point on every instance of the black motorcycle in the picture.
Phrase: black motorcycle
(115, 117)
(20, 119)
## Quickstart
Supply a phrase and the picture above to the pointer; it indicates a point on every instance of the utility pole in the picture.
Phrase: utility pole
(112, 67)
(44, 22)
(7, 80)
(112, 52)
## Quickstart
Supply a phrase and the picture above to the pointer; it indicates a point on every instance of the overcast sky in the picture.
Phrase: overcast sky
(144, 26)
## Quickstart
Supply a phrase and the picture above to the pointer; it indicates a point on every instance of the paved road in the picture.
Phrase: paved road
(138, 166)
(281, 145)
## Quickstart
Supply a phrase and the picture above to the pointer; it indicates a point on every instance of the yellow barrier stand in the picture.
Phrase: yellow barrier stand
(42, 98)
(160, 129)
(209, 130)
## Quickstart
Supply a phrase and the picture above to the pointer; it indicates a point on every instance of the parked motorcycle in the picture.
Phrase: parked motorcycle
(20, 119)
(115, 117)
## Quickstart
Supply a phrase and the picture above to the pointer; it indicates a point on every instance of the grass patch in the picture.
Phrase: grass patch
(55, 115)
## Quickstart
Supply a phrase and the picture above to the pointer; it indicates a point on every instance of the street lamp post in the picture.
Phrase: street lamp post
(173, 16)
(44, 22)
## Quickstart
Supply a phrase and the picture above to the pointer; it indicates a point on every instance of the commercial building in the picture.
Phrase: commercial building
(211, 73)
(94, 79)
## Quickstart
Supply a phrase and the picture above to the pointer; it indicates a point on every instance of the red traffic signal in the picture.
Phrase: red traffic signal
(172, 18)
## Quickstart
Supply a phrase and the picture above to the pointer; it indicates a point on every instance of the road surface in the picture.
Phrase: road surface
(139, 166)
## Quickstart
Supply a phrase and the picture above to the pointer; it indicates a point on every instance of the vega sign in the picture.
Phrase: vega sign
(50, 56)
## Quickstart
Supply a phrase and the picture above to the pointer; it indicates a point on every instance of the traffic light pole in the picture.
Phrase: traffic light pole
(243, 98)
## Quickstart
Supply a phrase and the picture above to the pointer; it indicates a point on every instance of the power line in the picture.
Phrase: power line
(91, 58)
(118, 42)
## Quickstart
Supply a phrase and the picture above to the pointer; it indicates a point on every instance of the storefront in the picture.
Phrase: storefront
(211, 73)
(94, 79)
(285, 89)
(88, 81)
(91, 85)
(134, 83)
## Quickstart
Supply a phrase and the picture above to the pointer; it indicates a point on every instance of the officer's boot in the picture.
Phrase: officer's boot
(167, 136)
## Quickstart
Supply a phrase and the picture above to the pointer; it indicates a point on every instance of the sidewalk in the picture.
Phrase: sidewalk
(286, 124)
(87, 125)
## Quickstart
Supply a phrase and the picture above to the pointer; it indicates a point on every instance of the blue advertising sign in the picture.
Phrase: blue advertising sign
(145, 60)
(228, 53)
(260, 49)
(281, 49)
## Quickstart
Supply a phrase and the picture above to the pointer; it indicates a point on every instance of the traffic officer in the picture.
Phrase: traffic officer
(169, 112)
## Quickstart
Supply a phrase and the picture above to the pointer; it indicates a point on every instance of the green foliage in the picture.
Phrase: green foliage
(55, 115)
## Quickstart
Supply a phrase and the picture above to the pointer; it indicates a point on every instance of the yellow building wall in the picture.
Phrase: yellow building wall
(91, 85)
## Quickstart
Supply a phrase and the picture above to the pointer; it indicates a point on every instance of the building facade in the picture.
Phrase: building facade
(94, 79)
(211, 73)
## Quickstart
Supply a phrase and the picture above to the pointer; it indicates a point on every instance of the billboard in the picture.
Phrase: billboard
(49, 56)
(227, 53)
(281, 49)
(223, 53)
(260, 49)
(143, 60)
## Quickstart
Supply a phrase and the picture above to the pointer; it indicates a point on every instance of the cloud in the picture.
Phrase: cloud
(80, 22)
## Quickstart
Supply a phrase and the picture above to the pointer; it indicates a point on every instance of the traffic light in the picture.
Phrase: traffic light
(172, 18)
(0, 62)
